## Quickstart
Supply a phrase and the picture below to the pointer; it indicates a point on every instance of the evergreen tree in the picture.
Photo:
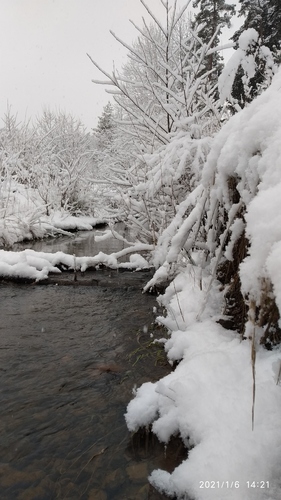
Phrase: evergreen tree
(274, 41)
(265, 17)
(214, 15)
(105, 129)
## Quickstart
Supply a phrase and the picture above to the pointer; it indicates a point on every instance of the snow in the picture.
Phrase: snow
(107, 235)
(68, 222)
(248, 149)
(208, 398)
(136, 262)
(23, 216)
(248, 48)
(273, 267)
(37, 265)
(264, 230)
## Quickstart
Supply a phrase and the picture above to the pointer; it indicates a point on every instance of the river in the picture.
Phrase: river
(69, 358)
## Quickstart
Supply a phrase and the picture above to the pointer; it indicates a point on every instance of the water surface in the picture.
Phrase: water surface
(69, 358)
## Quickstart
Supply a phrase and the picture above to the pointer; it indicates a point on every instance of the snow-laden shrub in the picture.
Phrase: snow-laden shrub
(207, 401)
(168, 114)
(223, 398)
(236, 209)
(158, 183)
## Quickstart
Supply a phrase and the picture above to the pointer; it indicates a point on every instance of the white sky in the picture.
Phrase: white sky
(43, 46)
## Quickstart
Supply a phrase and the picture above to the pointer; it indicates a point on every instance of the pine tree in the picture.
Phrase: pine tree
(274, 16)
(105, 128)
(265, 17)
(214, 15)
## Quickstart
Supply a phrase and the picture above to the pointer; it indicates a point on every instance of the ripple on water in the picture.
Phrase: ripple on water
(66, 378)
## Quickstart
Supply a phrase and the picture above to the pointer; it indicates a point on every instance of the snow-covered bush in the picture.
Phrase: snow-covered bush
(61, 164)
(224, 245)
(169, 107)
(157, 183)
(207, 401)
(53, 156)
(44, 168)
(235, 210)
(15, 149)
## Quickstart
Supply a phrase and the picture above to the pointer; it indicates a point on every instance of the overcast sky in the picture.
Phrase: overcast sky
(43, 46)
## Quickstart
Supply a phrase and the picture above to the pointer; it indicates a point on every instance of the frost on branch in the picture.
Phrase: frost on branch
(230, 223)
(159, 175)
(167, 95)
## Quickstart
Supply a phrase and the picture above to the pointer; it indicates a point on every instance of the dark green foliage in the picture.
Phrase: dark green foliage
(215, 15)
(265, 17)
(274, 41)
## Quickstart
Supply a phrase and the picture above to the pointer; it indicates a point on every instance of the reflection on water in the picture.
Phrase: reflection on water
(69, 357)
(81, 243)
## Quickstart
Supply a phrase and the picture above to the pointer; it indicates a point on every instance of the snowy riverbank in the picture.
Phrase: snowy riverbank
(224, 396)
(23, 216)
(32, 265)
(207, 400)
